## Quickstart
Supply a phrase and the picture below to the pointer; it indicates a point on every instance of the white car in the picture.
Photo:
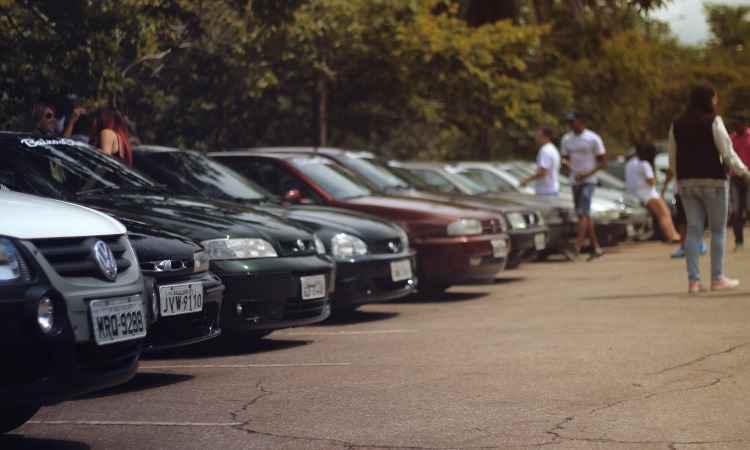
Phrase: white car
(72, 304)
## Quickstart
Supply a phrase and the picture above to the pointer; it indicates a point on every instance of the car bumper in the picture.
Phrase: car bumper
(369, 280)
(612, 232)
(445, 261)
(526, 242)
(186, 329)
(49, 369)
(269, 294)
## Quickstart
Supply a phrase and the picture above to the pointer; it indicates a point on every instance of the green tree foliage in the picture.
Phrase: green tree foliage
(451, 79)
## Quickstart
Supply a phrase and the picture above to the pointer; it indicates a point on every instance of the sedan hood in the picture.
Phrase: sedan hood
(406, 208)
(326, 220)
(198, 219)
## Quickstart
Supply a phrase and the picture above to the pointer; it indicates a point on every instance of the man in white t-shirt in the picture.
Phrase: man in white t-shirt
(583, 155)
(546, 182)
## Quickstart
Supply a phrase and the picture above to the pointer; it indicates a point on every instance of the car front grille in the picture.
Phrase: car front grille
(491, 226)
(300, 247)
(74, 257)
(387, 246)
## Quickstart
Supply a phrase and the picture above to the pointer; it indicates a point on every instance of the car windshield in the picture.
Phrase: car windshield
(468, 185)
(334, 179)
(70, 168)
(610, 181)
(410, 177)
(376, 172)
(489, 180)
(193, 173)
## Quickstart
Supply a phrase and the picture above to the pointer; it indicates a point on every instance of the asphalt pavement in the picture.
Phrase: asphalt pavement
(612, 354)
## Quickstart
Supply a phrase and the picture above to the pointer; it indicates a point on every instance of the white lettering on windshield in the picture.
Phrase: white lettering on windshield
(30, 142)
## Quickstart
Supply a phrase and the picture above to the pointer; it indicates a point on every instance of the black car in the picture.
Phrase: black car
(374, 262)
(184, 297)
(276, 273)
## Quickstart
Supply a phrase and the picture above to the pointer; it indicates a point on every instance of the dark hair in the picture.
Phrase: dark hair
(646, 151)
(702, 100)
(547, 131)
(37, 111)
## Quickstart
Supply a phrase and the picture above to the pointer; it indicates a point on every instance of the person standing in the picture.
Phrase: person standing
(640, 181)
(741, 143)
(546, 182)
(700, 154)
(583, 155)
(109, 133)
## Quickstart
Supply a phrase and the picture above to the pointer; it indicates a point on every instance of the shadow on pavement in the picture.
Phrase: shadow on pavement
(446, 297)
(228, 345)
(141, 382)
(351, 317)
(20, 442)
(508, 280)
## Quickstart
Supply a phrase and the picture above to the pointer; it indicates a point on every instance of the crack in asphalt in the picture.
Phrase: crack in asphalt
(244, 426)
(701, 359)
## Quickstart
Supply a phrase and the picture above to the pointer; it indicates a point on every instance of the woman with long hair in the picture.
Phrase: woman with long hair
(641, 182)
(700, 155)
(110, 134)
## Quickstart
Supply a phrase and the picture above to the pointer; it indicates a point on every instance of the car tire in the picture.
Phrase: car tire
(12, 417)
(514, 260)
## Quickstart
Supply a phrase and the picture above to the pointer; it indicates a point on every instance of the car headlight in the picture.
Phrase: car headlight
(219, 249)
(12, 266)
(201, 261)
(319, 245)
(346, 246)
(516, 221)
(464, 227)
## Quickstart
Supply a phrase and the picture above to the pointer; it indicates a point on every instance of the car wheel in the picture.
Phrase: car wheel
(12, 417)
(514, 260)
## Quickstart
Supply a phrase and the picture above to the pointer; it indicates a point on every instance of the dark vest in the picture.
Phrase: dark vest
(697, 154)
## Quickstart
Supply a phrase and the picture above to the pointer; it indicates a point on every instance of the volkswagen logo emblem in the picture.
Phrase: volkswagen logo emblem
(393, 246)
(105, 260)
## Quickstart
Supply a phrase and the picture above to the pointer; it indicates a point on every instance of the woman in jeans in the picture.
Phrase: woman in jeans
(700, 154)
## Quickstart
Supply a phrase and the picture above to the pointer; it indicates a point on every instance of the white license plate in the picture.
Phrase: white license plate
(313, 287)
(631, 230)
(401, 270)
(540, 241)
(117, 320)
(177, 299)
(499, 248)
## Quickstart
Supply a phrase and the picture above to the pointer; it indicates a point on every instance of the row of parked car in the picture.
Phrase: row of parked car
(100, 261)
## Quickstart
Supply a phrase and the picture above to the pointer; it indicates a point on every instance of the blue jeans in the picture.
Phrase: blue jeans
(582, 196)
(701, 202)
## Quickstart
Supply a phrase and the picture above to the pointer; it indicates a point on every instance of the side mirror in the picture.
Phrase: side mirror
(293, 196)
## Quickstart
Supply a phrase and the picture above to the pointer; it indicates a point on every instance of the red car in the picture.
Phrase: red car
(454, 244)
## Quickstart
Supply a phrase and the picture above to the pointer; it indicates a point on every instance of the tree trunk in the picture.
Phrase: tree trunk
(321, 112)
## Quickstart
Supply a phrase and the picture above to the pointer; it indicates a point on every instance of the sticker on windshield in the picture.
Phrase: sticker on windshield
(31, 142)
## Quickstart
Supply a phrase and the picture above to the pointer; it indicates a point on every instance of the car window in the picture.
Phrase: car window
(376, 173)
(193, 173)
(486, 178)
(435, 180)
(339, 182)
(468, 185)
(271, 175)
(64, 168)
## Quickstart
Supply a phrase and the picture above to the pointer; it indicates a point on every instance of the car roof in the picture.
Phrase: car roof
(326, 151)
(156, 149)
